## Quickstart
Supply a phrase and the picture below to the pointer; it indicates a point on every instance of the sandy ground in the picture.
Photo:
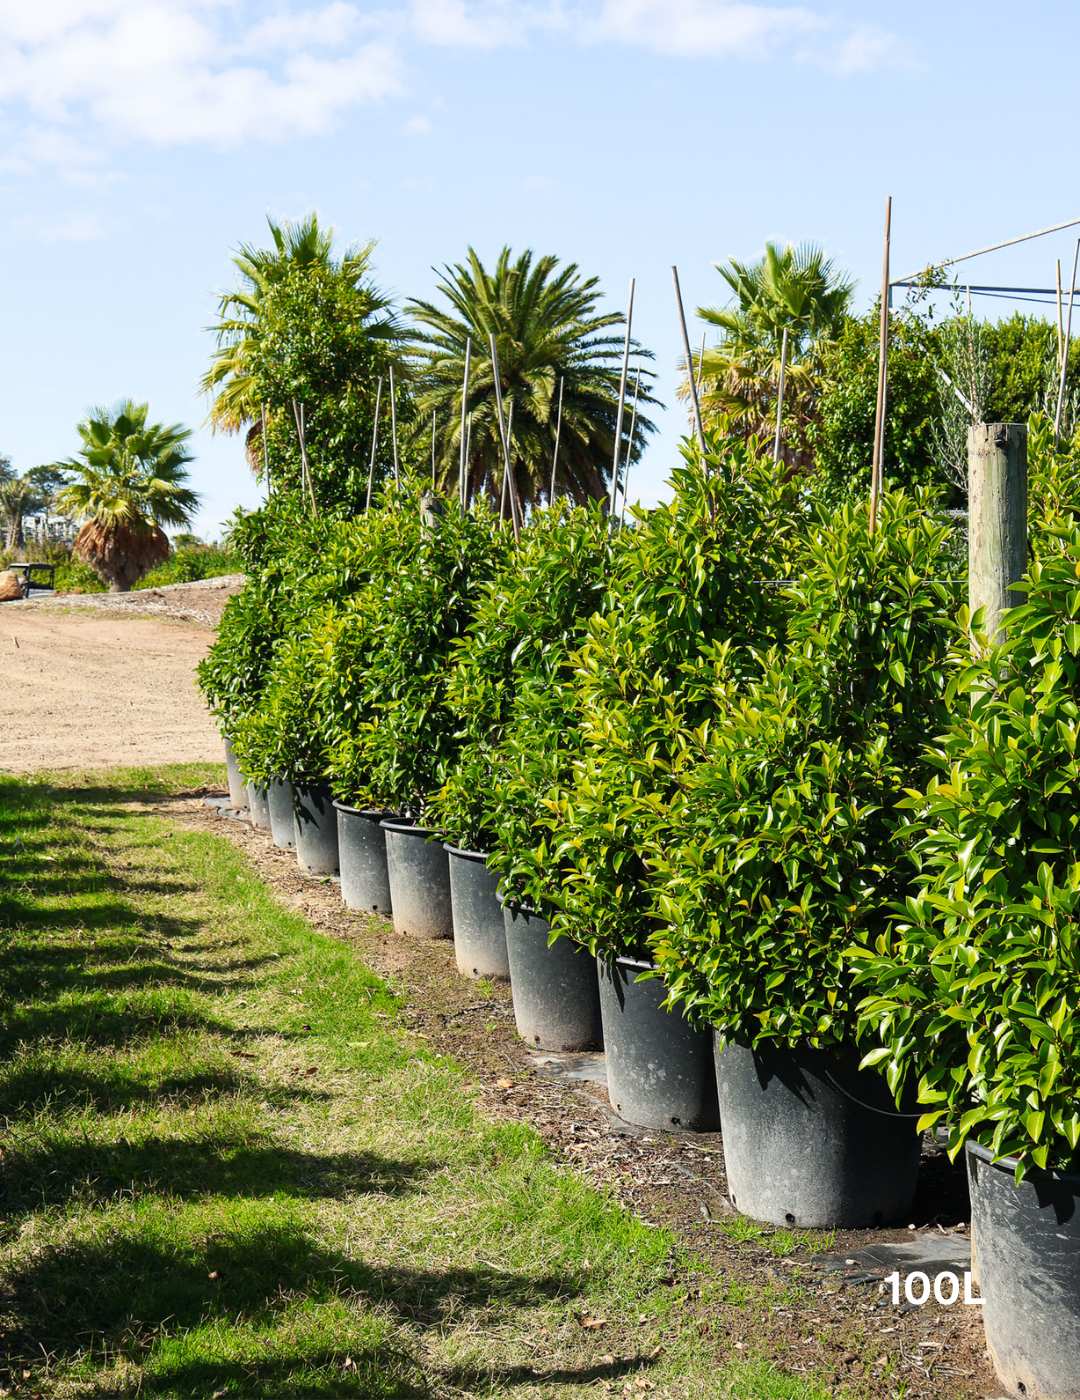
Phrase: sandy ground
(93, 681)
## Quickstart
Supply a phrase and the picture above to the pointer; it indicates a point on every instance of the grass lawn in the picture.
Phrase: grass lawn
(228, 1169)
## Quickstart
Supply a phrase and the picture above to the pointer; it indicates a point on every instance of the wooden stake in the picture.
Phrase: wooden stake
(997, 520)
(689, 361)
(464, 453)
(509, 440)
(883, 360)
(298, 414)
(780, 397)
(393, 426)
(374, 440)
(622, 404)
(701, 365)
(629, 449)
(266, 453)
(502, 435)
(555, 458)
(1065, 348)
(1061, 322)
(433, 449)
(468, 447)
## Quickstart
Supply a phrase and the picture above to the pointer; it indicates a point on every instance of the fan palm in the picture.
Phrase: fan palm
(546, 330)
(796, 289)
(129, 482)
(298, 248)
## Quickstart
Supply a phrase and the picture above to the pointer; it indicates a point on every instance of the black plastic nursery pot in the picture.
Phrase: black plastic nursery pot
(660, 1070)
(1025, 1244)
(479, 928)
(419, 881)
(258, 806)
(237, 785)
(282, 821)
(365, 883)
(316, 828)
(811, 1140)
(555, 990)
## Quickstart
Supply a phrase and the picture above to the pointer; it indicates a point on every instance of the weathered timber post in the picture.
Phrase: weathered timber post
(997, 519)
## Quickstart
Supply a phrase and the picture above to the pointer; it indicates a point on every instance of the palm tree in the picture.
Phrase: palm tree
(546, 329)
(130, 482)
(796, 289)
(301, 249)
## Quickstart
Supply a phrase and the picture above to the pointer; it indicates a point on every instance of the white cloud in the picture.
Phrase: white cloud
(868, 49)
(418, 125)
(702, 28)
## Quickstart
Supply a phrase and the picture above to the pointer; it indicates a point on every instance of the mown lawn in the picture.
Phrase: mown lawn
(227, 1169)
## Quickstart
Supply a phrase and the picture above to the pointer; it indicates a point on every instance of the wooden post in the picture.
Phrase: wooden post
(883, 372)
(997, 520)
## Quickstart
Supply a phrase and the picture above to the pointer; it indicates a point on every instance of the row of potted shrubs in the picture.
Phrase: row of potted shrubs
(752, 765)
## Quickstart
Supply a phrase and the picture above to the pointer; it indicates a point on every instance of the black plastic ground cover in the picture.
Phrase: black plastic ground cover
(812, 1141)
(660, 1070)
(1025, 1241)
(479, 927)
(365, 883)
(419, 874)
(555, 990)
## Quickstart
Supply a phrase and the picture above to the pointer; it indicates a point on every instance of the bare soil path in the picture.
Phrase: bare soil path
(105, 679)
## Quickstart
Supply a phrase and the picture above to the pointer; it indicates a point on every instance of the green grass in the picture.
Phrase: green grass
(228, 1170)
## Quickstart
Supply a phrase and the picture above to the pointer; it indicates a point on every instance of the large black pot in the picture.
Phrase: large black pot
(258, 806)
(282, 821)
(812, 1140)
(237, 786)
(660, 1070)
(1025, 1242)
(316, 828)
(479, 928)
(556, 997)
(362, 858)
(419, 881)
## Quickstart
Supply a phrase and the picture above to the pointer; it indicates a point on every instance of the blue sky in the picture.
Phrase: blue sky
(142, 140)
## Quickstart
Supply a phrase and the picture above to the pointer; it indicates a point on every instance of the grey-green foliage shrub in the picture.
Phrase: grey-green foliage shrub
(510, 684)
(780, 851)
(976, 989)
(390, 738)
(691, 574)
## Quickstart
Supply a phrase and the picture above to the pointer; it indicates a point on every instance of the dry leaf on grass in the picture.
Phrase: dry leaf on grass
(504, 1084)
(656, 1351)
(593, 1324)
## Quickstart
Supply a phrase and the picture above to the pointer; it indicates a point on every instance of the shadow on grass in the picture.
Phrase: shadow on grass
(119, 1294)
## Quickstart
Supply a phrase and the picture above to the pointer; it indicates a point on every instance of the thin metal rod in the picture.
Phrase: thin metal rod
(555, 458)
(509, 440)
(629, 449)
(883, 360)
(266, 452)
(622, 403)
(393, 426)
(780, 397)
(502, 433)
(701, 365)
(468, 447)
(689, 361)
(433, 449)
(1009, 242)
(374, 441)
(298, 414)
(464, 451)
(1061, 323)
(1065, 350)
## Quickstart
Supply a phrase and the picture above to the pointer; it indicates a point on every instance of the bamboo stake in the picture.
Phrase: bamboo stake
(502, 434)
(1061, 323)
(509, 440)
(993, 248)
(629, 448)
(468, 447)
(883, 359)
(374, 440)
(622, 403)
(780, 397)
(701, 365)
(1065, 348)
(393, 426)
(464, 454)
(689, 362)
(555, 458)
(298, 414)
(433, 449)
(266, 453)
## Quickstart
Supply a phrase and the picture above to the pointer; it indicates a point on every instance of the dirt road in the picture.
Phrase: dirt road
(81, 689)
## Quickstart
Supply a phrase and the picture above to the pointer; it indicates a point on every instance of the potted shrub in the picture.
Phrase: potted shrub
(975, 991)
(688, 578)
(780, 853)
(509, 690)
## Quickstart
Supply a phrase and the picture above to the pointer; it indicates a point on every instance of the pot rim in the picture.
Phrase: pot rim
(383, 813)
(1008, 1164)
(409, 828)
(464, 851)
